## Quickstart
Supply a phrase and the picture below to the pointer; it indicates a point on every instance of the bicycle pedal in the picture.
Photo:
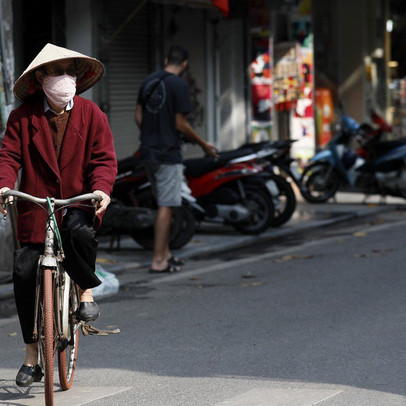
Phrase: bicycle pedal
(87, 329)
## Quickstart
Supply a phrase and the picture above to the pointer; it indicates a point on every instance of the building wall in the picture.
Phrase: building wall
(127, 61)
(217, 67)
(79, 23)
(186, 27)
(352, 44)
(232, 78)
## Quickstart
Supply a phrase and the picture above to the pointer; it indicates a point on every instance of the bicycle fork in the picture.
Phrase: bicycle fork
(46, 261)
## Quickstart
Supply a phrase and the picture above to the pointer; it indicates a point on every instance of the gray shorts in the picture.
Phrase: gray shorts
(166, 180)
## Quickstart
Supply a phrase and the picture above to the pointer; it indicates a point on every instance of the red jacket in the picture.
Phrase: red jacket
(87, 160)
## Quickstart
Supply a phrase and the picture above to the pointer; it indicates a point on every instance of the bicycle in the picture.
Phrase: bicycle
(57, 298)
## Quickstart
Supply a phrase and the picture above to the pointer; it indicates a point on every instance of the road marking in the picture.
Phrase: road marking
(77, 396)
(281, 397)
(327, 398)
(269, 255)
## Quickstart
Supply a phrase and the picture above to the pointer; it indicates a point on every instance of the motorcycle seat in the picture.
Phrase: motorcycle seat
(254, 146)
(199, 166)
(382, 147)
(128, 164)
(236, 153)
(257, 146)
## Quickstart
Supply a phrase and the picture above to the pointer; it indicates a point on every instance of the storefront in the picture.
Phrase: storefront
(133, 42)
(281, 74)
(252, 74)
(131, 39)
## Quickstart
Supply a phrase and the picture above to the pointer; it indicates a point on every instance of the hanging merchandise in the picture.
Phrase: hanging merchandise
(287, 75)
(302, 119)
(261, 93)
(302, 125)
(260, 72)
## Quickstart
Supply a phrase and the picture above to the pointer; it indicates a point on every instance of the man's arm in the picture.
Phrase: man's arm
(187, 130)
(138, 115)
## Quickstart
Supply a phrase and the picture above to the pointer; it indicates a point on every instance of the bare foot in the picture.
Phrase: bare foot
(86, 295)
(31, 355)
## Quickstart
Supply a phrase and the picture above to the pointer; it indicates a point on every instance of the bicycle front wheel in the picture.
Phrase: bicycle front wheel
(68, 355)
(48, 335)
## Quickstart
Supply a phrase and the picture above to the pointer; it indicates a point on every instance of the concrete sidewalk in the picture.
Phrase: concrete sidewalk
(213, 238)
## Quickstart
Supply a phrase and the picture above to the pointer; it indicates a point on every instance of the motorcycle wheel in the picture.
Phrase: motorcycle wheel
(320, 182)
(262, 210)
(187, 229)
(285, 202)
(145, 237)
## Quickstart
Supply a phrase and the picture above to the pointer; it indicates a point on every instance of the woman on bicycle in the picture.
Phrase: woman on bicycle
(63, 145)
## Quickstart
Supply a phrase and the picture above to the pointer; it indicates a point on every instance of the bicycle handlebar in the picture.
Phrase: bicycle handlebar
(58, 202)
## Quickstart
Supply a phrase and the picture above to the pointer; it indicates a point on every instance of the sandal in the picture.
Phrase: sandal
(176, 261)
(169, 269)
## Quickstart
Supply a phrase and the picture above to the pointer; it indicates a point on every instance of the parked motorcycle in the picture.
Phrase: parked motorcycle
(383, 173)
(120, 219)
(231, 190)
(133, 189)
(274, 157)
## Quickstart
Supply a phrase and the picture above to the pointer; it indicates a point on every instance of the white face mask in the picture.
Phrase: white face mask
(59, 89)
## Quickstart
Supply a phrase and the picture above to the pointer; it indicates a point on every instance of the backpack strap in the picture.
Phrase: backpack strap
(154, 88)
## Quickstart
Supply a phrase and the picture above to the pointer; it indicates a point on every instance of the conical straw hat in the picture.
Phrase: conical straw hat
(90, 70)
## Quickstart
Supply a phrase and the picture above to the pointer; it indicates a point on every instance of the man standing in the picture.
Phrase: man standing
(162, 105)
(63, 146)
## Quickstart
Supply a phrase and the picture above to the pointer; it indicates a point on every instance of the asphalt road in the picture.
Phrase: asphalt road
(319, 319)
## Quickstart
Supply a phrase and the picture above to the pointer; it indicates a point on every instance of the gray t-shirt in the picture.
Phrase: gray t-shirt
(162, 96)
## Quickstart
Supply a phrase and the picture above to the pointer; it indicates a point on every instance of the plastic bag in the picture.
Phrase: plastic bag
(110, 284)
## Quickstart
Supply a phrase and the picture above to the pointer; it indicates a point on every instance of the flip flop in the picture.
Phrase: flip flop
(176, 261)
(169, 269)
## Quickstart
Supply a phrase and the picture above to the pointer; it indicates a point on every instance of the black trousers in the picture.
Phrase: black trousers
(80, 246)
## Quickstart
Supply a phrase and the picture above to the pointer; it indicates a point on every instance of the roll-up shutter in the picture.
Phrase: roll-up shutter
(127, 67)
